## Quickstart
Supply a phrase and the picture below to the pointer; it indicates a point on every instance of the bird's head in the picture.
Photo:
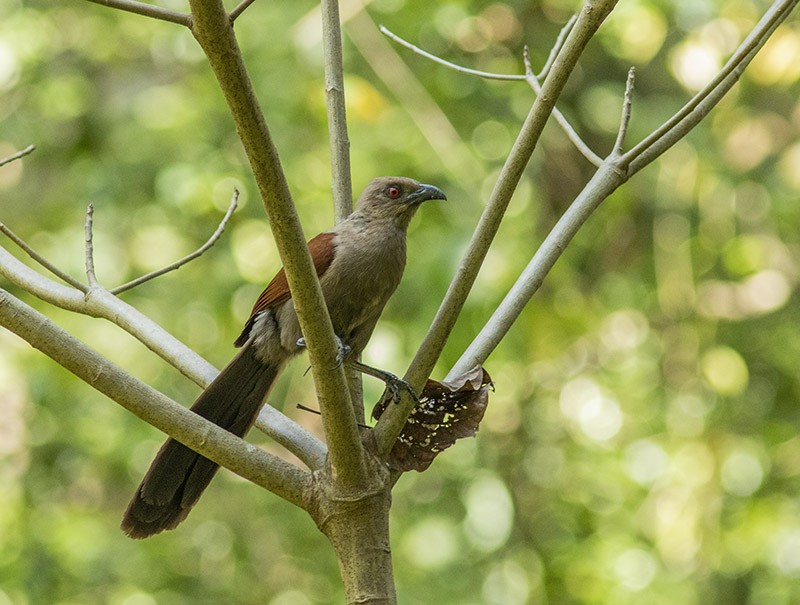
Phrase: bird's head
(396, 198)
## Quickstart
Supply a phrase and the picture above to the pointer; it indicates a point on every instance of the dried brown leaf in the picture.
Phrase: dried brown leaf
(448, 411)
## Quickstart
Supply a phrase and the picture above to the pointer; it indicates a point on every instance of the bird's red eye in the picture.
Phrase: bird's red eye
(393, 192)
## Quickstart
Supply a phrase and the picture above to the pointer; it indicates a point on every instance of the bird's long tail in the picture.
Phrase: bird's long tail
(178, 475)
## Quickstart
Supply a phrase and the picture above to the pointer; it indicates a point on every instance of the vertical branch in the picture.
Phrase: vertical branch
(337, 118)
(213, 31)
(91, 277)
(341, 181)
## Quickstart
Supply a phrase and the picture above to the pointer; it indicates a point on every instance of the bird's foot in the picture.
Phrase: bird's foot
(394, 385)
(343, 350)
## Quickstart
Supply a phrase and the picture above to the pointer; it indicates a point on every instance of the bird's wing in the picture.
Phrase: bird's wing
(322, 251)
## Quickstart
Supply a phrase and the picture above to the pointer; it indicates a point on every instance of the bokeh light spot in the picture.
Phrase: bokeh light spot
(725, 371)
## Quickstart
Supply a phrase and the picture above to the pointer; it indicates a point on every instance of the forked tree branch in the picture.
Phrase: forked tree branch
(616, 170)
(23, 245)
(589, 20)
(246, 460)
(96, 301)
(529, 77)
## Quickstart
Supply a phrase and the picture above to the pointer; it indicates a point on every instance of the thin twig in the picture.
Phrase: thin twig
(465, 70)
(562, 121)
(305, 408)
(432, 121)
(562, 35)
(89, 236)
(189, 257)
(238, 10)
(625, 119)
(42, 260)
(20, 154)
(148, 10)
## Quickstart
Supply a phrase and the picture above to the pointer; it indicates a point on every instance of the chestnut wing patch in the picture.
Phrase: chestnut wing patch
(277, 291)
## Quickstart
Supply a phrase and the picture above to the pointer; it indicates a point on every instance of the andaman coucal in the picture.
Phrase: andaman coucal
(359, 263)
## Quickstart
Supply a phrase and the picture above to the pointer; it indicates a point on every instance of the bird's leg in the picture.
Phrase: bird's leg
(344, 350)
(393, 384)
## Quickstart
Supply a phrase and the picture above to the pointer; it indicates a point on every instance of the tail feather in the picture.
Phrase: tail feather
(178, 475)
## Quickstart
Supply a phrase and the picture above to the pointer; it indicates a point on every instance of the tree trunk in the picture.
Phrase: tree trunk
(357, 525)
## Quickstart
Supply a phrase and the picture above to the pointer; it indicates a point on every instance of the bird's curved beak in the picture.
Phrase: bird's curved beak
(424, 193)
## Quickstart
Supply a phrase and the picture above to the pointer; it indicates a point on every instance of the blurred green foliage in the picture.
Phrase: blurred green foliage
(641, 446)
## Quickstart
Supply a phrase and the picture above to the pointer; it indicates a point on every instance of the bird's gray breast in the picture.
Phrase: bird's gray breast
(366, 270)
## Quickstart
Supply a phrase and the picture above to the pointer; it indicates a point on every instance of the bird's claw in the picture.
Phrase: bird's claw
(395, 386)
(342, 352)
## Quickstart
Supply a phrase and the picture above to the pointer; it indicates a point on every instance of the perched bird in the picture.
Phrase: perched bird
(359, 263)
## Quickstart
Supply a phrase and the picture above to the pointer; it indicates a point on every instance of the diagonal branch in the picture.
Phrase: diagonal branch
(189, 257)
(572, 135)
(246, 460)
(615, 171)
(42, 260)
(148, 10)
(239, 9)
(98, 302)
(20, 154)
(589, 20)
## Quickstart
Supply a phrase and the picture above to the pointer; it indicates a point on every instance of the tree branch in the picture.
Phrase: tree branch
(337, 117)
(246, 460)
(589, 20)
(211, 28)
(42, 260)
(239, 9)
(529, 77)
(627, 102)
(20, 154)
(91, 276)
(189, 257)
(615, 171)
(98, 302)
(148, 10)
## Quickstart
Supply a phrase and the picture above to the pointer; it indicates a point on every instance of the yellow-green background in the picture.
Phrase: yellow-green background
(641, 446)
